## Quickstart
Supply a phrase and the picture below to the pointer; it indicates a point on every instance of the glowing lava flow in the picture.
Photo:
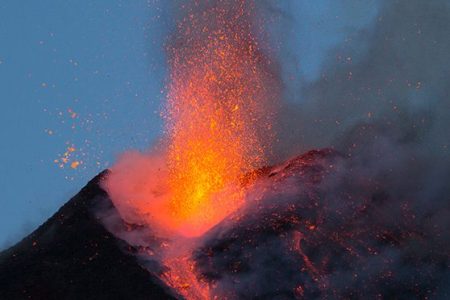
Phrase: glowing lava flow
(217, 116)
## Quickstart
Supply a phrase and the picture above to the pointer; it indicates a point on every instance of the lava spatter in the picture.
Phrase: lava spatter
(218, 114)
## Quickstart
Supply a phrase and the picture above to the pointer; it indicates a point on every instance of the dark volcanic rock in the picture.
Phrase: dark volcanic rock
(318, 226)
(72, 256)
(323, 230)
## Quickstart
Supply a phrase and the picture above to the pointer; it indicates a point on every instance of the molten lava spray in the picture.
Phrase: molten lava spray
(218, 114)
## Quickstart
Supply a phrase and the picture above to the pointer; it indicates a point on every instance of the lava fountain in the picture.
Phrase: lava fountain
(219, 113)
(218, 129)
(218, 124)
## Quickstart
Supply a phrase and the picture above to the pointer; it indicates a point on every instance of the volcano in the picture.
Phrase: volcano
(308, 230)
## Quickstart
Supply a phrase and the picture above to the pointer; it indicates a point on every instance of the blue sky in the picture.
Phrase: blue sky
(90, 76)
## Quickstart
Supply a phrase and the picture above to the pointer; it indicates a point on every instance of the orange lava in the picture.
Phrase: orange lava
(181, 276)
(217, 116)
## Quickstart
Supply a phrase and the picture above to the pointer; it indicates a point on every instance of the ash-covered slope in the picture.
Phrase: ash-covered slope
(72, 256)
(319, 228)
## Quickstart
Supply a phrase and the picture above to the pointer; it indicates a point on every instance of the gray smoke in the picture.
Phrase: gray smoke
(392, 74)
(381, 99)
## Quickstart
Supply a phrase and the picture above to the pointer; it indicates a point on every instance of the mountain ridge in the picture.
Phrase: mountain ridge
(72, 256)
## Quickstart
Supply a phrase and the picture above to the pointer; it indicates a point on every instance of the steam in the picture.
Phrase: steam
(138, 186)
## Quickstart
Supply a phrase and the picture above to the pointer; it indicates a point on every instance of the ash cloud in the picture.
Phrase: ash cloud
(392, 72)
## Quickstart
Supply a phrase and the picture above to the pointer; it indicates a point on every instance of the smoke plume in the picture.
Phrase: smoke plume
(368, 218)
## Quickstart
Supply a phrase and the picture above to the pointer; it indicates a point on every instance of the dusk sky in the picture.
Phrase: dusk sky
(81, 82)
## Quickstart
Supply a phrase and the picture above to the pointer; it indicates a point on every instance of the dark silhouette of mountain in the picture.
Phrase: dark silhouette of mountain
(72, 256)
(319, 226)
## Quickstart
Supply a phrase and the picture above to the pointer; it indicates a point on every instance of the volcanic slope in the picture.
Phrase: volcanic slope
(322, 226)
(72, 256)
(319, 226)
